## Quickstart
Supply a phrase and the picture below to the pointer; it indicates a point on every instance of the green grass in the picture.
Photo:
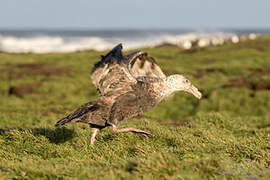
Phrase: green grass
(227, 129)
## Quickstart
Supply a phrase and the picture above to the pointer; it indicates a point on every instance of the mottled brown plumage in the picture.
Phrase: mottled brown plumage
(128, 86)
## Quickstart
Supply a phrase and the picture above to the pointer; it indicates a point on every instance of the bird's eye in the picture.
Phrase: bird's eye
(185, 81)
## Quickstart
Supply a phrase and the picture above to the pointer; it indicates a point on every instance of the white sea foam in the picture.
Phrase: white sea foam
(46, 43)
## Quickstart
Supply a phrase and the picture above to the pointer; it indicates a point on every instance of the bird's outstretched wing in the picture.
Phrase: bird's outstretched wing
(111, 75)
(115, 73)
(141, 64)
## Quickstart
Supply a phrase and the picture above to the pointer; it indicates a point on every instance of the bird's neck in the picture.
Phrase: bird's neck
(167, 92)
(166, 89)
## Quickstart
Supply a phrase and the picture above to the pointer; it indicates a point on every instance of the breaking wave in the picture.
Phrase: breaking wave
(51, 43)
(45, 44)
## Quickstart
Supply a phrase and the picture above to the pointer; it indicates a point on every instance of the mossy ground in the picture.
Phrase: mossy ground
(227, 130)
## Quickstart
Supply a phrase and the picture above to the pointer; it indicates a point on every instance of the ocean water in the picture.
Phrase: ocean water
(44, 41)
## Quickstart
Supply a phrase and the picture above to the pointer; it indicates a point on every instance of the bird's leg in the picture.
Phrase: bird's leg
(94, 132)
(130, 129)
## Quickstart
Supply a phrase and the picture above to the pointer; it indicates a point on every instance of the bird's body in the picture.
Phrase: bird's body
(128, 87)
(111, 109)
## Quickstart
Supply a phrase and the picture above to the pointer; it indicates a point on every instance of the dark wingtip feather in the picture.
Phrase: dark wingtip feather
(114, 54)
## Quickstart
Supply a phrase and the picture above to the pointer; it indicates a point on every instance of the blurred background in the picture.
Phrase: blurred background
(67, 26)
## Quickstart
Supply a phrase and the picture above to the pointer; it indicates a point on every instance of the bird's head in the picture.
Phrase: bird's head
(181, 83)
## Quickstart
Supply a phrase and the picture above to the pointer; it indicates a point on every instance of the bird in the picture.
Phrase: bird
(128, 86)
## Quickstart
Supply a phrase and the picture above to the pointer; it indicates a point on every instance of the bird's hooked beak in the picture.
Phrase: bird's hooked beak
(194, 91)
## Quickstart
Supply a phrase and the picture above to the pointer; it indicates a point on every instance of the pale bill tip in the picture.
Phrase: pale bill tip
(193, 90)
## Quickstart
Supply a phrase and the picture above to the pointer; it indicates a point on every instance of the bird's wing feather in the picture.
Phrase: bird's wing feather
(110, 75)
(141, 64)
(115, 73)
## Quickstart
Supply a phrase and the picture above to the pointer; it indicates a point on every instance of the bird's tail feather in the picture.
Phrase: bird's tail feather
(76, 116)
(63, 121)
